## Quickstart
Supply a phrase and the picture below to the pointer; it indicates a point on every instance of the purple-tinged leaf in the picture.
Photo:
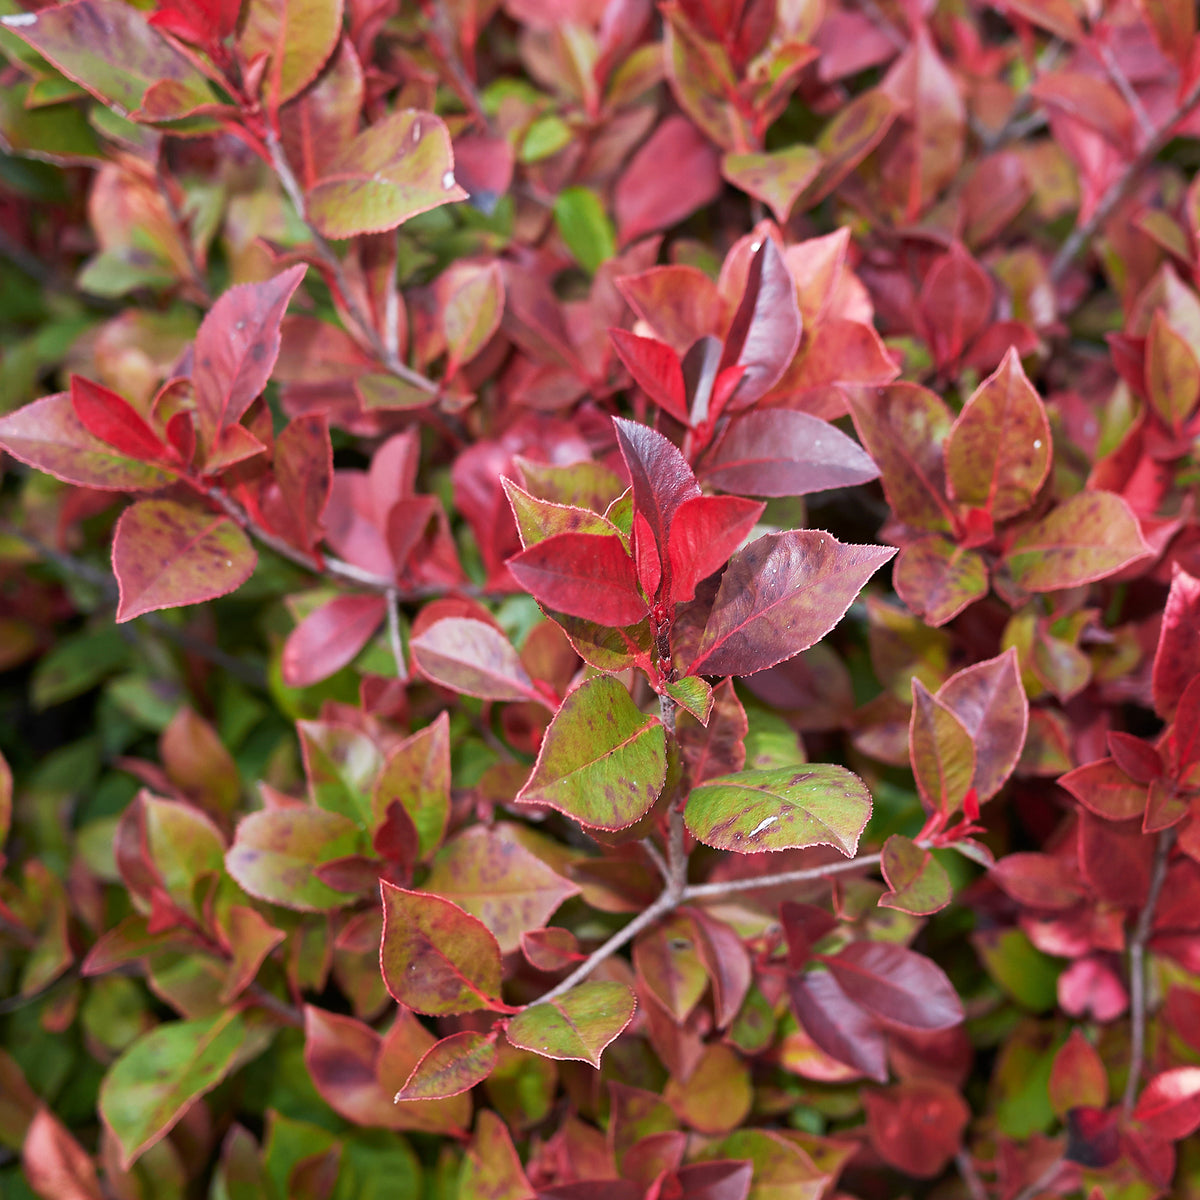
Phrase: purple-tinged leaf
(166, 554)
(236, 348)
(897, 986)
(661, 477)
(705, 532)
(602, 761)
(579, 1024)
(1177, 657)
(1040, 881)
(937, 578)
(49, 435)
(655, 368)
(435, 958)
(765, 333)
(815, 804)
(329, 638)
(785, 453)
(585, 575)
(1089, 536)
(470, 656)
(998, 452)
(776, 178)
(398, 167)
(837, 1025)
(919, 883)
(727, 962)
(450, 1067)
(778, 596)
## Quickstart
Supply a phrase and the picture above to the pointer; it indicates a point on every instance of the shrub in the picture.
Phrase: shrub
(601, 692)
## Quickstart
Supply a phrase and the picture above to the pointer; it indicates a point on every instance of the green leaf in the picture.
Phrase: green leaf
(1172, 373)
(602, 761)
(941, 751)
(299, 36)
(417, 776)
(775, 178)
(579, 1024)
(694, 694)
(152, 1084)
(584, 226)
(751, 811)
(452, 1066)
(918, 882)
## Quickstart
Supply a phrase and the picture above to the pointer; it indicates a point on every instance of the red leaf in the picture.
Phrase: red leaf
(785, 453)
(1185, 732)
(303, 461)
(896, 986)
(1103, 788)
(674, 173)
(166, 554)
(1177, 658)
(1135, 757)
(1039, 881)
(55, 1166)
(114, 420)
(656, 370)
(956, 304)
(586, 575)
(917, 1126)
(661, 477)
(236, 348)
(1078, 1078)
(1169, 1105)
(705, 532)
(330, 637)
(837, 1025)
(1116, 858)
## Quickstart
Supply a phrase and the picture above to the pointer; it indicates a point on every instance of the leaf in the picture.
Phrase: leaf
(585, 575)
(435, 958)
(236, 348)
(398, 167)
(539, 519)
(661, 477)
(322, 118)
(837, 1025)
(989, 699)
(916, 1126)
(716, 1097)
(416, 775)
(765, 332)
(450, 1067)
(785, 453)
(1169, 1105)
(49, 435)
(918, 882)
(298, 35)
(1103, 788)
(903, 427)
(937, 578)
(109, 49)
(1078, 1078)
(816, 804)
(941, 751)
(955, 304)
(55, 1165)
(1177, 657)
(669, 967)
(705, 532)
(672, 174)
(1172, 373)
(655, 368)
(896, 986)
(998, 452)
(1089, 536)
(275, 853)
(491, 1169)
(488, 873)
(6, 795)
(776, 178)
(114, 421)
(579, 1024)
(329, 638)
(602, 761)
(778, 596)
(584, 226)
(472, 314)
(1173, 23)
(470, 656)
(166, 554)
(152, 1084)
(850, 136)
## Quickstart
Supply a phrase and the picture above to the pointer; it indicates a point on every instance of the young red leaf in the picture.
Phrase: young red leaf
(1116, 859)
(655, 368)
(785, 453)
(469, 656)
(778, 596)
(1078, 1078)
(705, 532)
(579, 1024)
(1169, 1105)
(49, 435)
(236, 348)
(114, 420)
(602, 761)
(329, 638)
(765, 333)
(956, 304)
(937, 578)
(585, 575)
(1177, 657)
(450, 1067)
(998, 452)
(437, 959)
(896, 986)
(837, 1025)
(916, 1126)
(661, 477)
(918, 882)
(1135, 757)
(394, 169)
(1089, 536)
(55, 1165)
(166, 554)
(303, 462)
(1103, 788)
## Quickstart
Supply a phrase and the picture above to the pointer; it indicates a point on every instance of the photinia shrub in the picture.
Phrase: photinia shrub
(601, 600)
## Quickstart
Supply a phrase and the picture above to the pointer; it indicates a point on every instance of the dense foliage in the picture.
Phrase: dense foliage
(600, 601)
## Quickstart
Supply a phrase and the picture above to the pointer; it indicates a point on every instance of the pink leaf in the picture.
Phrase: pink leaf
(1169, 1106)
(896, 986)
(330, 637)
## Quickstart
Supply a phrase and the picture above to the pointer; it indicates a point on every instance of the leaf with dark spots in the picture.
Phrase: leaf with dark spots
(778, 596)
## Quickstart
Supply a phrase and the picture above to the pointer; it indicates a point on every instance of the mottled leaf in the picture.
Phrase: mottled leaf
(472, 314)
(918, 882)
(937, 578)
(452, 1066)
(776, 178)
(297, 35)
(416, 775)
(579, 1024)
(470, 656)
(941, 751)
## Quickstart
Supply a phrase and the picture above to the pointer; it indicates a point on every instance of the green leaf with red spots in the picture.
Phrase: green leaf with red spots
(452, 1066)
(579, 1024)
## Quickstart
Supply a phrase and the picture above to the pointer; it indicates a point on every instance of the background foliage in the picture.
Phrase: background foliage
(440, 439)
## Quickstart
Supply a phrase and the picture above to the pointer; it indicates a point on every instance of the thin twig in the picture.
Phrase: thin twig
(1137, 970)
(1128, 180)
(1122, 84)
(283, 1009)
(1042, 1182)
(657, 859)
(393, 624)
(707, 891)
(970, 1176)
